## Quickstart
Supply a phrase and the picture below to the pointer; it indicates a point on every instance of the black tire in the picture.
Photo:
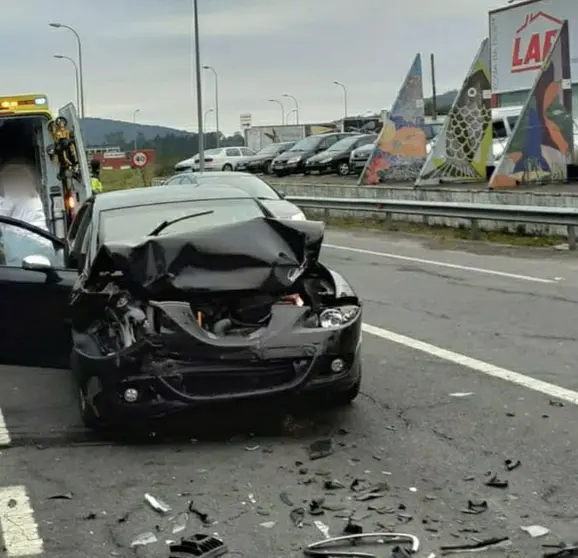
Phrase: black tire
(279, 174)
(343, 169)
(89, 418)
(227, 167)
(268, 168)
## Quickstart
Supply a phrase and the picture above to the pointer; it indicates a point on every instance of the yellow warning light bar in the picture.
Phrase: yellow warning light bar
(24, 103)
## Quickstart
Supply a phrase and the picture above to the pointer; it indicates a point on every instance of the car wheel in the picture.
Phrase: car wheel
(227, 167)
(343, 169)
(279, 174)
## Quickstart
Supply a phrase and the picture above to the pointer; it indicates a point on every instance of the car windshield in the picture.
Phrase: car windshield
(307, 144)
(512, 120)
(251, 184)
(138, 221)
(344, 144)
(269, 149)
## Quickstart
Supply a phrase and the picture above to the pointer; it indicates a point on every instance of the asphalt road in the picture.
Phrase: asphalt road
(469, 361)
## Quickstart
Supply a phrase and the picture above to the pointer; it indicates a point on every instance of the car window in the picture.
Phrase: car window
(328, 142)
(137, 222)
(187, 179)
(174, 180)
(75, 227)
(232, 152)
(16, 243)
(75, 247)
(307, 144)
(246, 151)
(499, 130)
(253, 185)
(345, 143)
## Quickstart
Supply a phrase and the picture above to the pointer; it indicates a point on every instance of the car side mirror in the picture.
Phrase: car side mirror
(41, 264)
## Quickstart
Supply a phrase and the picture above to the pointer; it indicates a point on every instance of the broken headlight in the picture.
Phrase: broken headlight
(337, 317)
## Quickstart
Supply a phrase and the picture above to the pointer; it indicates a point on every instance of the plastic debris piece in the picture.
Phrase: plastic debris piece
(401, 552)
(495, 482)
(378, 490)
(352, 528)
(284, 497)
(144, 539)
(316, 506)
(535, 531)
(325, 548)
(252, 448)
(268, 524)
(554, 403)
(321, 448)
(199, 546)
(562, 551)
(462, 394)
(297, 516)
(180, 523)
(512, 464)
(487, 544)
(204, 517)
(476, 507)
(66, 496)
(322, 527)
(333, 485)
(412, 489)
(156, 504)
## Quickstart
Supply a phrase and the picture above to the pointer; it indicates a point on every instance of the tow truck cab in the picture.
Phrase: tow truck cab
(24, 135)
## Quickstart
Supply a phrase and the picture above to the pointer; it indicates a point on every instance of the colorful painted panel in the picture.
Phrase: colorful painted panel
(463, 148)
(400, 150)
(540, 147)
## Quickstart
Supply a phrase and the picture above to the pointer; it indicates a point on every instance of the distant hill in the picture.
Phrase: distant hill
(96, 131)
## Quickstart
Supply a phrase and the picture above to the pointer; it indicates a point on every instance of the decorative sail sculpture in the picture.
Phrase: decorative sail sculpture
(400, 149)
(463, 149)
(540, 147)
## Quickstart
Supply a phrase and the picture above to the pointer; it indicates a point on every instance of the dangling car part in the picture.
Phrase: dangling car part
(236, 311)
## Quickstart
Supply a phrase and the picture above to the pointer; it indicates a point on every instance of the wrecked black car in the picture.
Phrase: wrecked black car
(234, 311)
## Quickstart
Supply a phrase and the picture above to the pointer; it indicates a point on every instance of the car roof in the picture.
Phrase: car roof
(159, 194)
(219, 173)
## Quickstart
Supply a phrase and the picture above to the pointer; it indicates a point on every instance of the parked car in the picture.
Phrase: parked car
(294, 159)
(192, 296)
(253, 185)
(222, 159)
(359, 157)
(336, 158)
(261, 161)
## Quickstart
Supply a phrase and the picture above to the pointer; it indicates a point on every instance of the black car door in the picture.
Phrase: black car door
(35, 287)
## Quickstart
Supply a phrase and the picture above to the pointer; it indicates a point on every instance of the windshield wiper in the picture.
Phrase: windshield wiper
(165, 224)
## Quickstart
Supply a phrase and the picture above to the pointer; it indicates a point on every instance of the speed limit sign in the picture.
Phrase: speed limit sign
(139, 159)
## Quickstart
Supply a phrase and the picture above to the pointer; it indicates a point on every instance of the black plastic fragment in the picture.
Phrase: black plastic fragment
(485, 544)
(495, 482)
(476, 507)
(352, 528)
(566, 552)
(512, 464)
(200, 546)
(321, 448)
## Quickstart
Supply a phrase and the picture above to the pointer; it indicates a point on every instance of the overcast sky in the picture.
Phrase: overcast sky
(137, 54)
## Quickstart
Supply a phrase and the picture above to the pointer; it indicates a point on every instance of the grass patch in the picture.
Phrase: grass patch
(519, 238)
(124, 179)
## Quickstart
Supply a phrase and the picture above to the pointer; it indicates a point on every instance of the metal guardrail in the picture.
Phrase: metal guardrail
(474, 212)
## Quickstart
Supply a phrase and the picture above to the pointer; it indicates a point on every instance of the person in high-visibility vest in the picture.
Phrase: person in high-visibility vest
(95, 183)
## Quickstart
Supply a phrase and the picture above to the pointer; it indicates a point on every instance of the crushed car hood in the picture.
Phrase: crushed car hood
(263, 254)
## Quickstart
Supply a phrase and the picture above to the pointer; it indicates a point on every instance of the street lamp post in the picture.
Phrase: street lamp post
(200, 131)
(289, 114)
(136, 111)
(344, 100)
(211, 69)
(80, 70)
(296, 106)
(276, 101)
(76, 74)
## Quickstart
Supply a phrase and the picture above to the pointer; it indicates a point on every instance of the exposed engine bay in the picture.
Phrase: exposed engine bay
(212, 285)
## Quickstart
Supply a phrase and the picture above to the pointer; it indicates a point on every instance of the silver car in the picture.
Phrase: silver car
(279, 207)
(221, 159)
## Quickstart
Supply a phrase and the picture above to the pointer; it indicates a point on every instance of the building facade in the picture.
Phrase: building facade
(521, 37)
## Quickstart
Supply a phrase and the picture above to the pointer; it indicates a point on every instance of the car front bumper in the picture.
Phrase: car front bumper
(317, 166)
(311, 360)
(285, 166)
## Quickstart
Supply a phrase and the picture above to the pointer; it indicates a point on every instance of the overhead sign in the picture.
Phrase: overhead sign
(521, 37)
(139, 159)
(246, 120)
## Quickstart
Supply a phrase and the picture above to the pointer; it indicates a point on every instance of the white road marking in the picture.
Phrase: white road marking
(17, 523)
(442, 264)
(550, 390)
(4, 434)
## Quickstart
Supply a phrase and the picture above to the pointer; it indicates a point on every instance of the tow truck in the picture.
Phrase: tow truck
(53, 144)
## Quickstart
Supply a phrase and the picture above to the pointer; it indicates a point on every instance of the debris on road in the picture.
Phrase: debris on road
(323, 548)
(66, 496)
(204, 517)
(535, 531)
(554, 403)
(333, 485)
(462, 394)
(562, 551)
(180, 523)
(321, 448)
(495, 482)
(487, 544)
(316, 506)
(144, 539)
(199, 546)
(297, 516)
(512, 464)
(322, 527)
(284, 497)
(252, 448)
(268, 524)
(378, 490)
(156, 504)
(476, 507)
(352, 528)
